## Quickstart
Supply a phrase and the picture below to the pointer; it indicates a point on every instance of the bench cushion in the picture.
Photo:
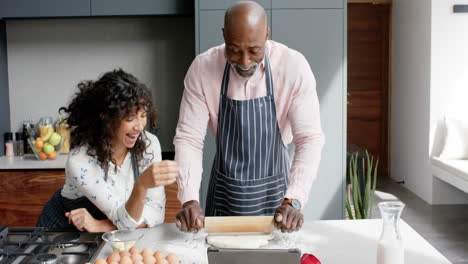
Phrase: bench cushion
(454, 172)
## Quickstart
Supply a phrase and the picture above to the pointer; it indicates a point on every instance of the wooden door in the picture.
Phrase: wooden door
(368, 73)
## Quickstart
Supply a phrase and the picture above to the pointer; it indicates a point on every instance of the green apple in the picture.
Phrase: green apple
(48, 148)
(54, 139)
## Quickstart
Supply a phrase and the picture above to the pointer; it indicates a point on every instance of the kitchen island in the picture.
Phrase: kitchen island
(331, 241)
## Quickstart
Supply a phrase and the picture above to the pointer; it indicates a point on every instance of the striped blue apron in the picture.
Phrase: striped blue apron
(251, 165)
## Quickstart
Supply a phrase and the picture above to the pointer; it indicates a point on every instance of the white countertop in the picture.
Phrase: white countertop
(332, 242)
(30, 162)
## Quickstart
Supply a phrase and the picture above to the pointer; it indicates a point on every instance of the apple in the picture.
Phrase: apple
(48, 148)
(54, 139)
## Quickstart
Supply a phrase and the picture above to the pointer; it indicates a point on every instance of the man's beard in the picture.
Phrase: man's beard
(241, 70)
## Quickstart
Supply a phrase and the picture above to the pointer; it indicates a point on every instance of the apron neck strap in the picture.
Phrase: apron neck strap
(136, 171)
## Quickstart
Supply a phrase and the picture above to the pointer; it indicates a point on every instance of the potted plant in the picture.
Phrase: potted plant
(361, 187)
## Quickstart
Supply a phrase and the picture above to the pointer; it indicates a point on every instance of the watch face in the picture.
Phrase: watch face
(296, 204)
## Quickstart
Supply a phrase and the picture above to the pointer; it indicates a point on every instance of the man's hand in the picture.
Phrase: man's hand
(84, 221)
(190, 218)
(288, 218)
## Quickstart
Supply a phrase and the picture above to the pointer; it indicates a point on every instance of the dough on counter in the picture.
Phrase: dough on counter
(239, 241)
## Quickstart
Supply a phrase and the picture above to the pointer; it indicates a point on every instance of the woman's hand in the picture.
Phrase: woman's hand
(159, 174)
(84, 221)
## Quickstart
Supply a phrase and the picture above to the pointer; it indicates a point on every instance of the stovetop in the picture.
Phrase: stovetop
(36, 245)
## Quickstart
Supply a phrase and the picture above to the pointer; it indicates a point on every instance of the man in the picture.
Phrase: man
(257, 96)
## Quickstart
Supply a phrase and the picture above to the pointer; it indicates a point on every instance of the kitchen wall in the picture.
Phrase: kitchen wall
(426, 52)
(410, 95)
(47, 58)
(4, 104)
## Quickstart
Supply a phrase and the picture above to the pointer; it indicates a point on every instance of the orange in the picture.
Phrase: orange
(39, 143)
(42, 155)
(52, 155)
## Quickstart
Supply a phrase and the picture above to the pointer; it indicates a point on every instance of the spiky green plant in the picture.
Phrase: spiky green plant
(359, 204)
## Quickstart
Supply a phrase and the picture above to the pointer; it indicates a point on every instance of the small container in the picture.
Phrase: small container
(9, 145)
(19, 144)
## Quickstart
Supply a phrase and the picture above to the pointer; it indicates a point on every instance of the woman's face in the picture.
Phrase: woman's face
(130, 129)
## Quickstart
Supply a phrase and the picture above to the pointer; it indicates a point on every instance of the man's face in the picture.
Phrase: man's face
(245, 48)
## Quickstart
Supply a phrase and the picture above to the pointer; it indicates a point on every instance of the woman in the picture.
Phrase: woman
(104, 189)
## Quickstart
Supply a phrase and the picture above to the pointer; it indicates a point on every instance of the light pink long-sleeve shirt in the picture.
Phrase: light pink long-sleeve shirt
(297, 110)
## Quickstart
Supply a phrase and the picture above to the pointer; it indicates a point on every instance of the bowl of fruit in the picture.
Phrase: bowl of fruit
(48, 145)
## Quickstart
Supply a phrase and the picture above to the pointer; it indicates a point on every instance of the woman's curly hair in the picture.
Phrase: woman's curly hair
(97, 109)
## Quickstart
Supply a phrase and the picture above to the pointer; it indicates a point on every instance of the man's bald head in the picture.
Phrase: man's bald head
(245, 14)
(245, 34)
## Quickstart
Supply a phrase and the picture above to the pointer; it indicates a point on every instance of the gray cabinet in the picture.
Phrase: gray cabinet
(316, 28)
(276, 4)
(319, 35)
(65, 8)
(44, 8)
(141, 7)
(4, 93)
(223, 4)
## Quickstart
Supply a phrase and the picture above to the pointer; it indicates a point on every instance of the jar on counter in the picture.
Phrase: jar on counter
(62, 128)
(19, 144)
(9, 146)
(46, 127)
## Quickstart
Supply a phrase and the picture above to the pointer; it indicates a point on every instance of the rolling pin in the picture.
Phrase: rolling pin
(239, 224)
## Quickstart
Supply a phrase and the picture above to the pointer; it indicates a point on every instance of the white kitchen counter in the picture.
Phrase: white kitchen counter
(30, 162)
(333, 242)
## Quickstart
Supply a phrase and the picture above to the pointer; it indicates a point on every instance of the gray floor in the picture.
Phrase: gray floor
(443, 226)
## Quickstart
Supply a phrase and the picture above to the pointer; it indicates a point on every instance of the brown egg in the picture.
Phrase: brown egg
(126, 260)
(149, 260)
(172, 258)
(159, 255)
(138, 262)
(147, 252)
(124, 253)
(162, 261)
(100, 261)
(136, 257)
(134, 250)
(114, 257)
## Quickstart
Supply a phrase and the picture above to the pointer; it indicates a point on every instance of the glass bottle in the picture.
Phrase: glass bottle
(19, 144)
(390, 248)
(29, 132)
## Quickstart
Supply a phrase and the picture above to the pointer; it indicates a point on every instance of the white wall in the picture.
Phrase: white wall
(449, 58)
(48, 57)
(449, 79)
(429, 70)
(411, 45)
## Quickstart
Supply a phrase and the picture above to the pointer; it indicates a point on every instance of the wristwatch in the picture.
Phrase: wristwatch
(292, 202)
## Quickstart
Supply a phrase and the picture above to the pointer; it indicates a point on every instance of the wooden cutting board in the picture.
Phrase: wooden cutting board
(239, 224)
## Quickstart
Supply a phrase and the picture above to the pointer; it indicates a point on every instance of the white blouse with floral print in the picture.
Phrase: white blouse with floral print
(85, 177)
